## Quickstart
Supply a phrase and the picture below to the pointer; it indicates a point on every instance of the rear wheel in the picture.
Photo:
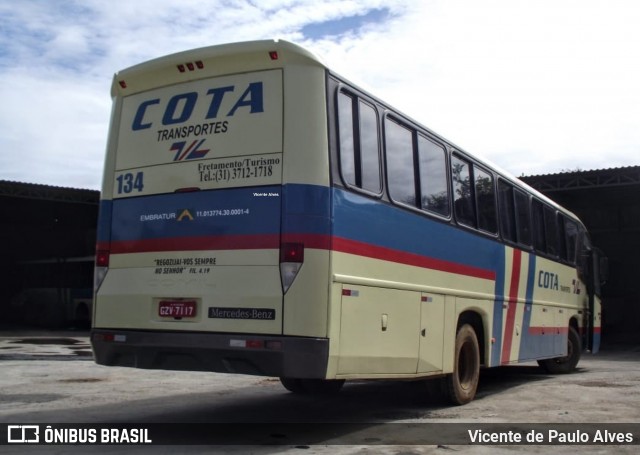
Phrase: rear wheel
(312, 386)
(460, 387)
(292, 385)
(568, 363)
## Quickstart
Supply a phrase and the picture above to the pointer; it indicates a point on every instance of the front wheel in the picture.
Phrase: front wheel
(568, 363)
(460, 387)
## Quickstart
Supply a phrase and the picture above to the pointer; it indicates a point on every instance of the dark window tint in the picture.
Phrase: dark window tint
(515, 217)
(523, 217)
(433, 176)
(562, 239)
(400, 171)
(551, 231)
(359, 143)
(507, 211)
(538, 226)
(347, 140)
(462, 196)
(485, 196)
(571, 236)
(369, 147)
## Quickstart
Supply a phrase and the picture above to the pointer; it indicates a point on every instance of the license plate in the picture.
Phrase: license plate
(177, 308)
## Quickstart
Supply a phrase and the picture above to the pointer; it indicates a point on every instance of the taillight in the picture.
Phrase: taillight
(291, 259)
(101, 268)
(102, 258)
(292, 252)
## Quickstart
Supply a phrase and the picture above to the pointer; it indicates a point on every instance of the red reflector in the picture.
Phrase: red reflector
(292, 252)
(199, 64)
(273, 55)
(108, 337)
(123, 84)
(346, 292)
(255, 344)
(181, 68)
(102, 258)
(190, 66)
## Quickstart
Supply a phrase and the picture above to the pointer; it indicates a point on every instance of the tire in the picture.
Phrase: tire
(292, 385)
(568, 363)
(312, 386)
(82, 318)
(460, 387)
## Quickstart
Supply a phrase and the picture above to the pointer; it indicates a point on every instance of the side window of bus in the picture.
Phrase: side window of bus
(400, 166)
(347, 140)
(359, 143)
(537, 216)
(369, 148)
(486, 201)
(551, 231)
(433, 177)
(571, 233)
(523, 217)
(463, 205)
(508, 225)
(515, 218)
(562, 239)
(545, 219)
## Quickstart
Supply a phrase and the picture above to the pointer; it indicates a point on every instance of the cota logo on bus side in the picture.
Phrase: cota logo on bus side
(179, 110)
(550, 280)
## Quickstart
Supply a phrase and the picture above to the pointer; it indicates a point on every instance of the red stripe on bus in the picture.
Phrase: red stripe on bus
(313, 241)
(212, 242)
(548, 330)
(316, 241)
(378, 252)
(511, 311)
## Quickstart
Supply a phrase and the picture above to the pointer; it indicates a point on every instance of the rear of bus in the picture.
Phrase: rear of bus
(206, 256)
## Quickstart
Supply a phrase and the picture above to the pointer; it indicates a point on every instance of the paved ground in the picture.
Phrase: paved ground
(51, 378)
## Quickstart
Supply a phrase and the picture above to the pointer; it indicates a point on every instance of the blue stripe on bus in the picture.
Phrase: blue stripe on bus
(308, 210)
(238, 211)
(527, 343)
(496, 345)
(103, 234)
(373, 222)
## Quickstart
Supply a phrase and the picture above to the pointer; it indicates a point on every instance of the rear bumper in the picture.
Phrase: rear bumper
(279, 356)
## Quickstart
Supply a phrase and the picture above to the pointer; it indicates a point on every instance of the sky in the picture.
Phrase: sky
(535, 86)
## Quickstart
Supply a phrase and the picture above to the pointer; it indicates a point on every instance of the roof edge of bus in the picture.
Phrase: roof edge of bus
(222, 50)
(523, 185)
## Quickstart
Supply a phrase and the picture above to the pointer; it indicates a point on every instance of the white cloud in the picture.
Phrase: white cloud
(535, 86)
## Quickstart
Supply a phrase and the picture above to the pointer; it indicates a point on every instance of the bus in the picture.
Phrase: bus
(262, 215)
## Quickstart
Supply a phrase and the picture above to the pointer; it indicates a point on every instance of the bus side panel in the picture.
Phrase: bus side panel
(306, 220)
(554, 295)
(380, 331)
(306, 211)
(375, 254)
(371, 247)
